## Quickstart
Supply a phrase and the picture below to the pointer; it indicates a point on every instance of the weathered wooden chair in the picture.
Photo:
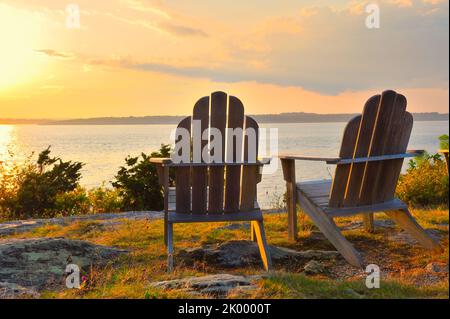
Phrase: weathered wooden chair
(215, 191)
(368, 167)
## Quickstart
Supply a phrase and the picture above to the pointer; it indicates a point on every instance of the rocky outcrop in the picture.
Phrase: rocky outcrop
(405, 238)
(12, 291)
(20, 226)
(219, 285)
(235, 254)
(437, 268)
(314, 267)
(27, 265)
(382, 223)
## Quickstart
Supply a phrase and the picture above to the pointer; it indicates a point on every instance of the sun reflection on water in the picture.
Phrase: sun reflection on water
(5, 139)
(8, 143)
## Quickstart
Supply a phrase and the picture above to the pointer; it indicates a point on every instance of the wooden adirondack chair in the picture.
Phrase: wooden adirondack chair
(368, 167)
(219, 191)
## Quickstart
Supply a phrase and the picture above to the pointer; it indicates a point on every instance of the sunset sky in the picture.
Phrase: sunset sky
(143, 57)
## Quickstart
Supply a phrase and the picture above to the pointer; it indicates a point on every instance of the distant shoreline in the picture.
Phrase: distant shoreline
(261, 118)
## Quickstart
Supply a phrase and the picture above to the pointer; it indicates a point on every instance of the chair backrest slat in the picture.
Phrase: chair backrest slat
(384, 128)
(340, 179)
(234, 149)
(200, 174)
(249, 173)
(183, 178)
(216, 174)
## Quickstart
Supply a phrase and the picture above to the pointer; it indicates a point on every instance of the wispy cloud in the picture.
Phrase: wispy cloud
(139, 6)
(181, 30)
(56, 54)
(162, 26)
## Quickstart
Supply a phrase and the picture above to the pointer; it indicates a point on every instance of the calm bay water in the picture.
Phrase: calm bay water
(103, 148)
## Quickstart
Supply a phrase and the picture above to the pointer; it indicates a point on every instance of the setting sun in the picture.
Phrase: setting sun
(19, 33)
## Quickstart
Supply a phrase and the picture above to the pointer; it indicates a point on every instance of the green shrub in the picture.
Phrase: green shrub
(104, 200)
(425, 183)
(11, 174)
(35, 189)
(137, 182)
(443, 141)
(75, 202)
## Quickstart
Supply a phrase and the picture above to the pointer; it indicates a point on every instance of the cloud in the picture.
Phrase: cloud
(402, 3)
(139, 6)
(435, 2)
(56, 54)
(163, 26)
(181, 30)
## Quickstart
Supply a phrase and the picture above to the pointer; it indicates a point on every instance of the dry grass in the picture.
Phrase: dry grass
(402, 264)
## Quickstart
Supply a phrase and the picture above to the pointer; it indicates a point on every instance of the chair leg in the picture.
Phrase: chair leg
(258, 227)
(368, 222)
(169, 247)
(165, 229)
(288, 166)
(327, 226)
(405, 220)
(253, 233)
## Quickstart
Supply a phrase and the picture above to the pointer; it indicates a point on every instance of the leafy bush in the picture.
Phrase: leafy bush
(443, 141)
(137, 182)
(35, 189)
(75, 202)
(425, 182)
(104, 200)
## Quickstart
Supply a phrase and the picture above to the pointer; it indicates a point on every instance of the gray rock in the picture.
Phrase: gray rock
(12, 291)
(235, 226)
(20, 226)
(383, 223)
(219, 285)
(240, 253)
(405, 238)
(437, 267)
(41, 262)
(353, 294)
(314, 267)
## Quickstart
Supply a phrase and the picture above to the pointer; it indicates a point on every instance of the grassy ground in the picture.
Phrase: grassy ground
(402, 264)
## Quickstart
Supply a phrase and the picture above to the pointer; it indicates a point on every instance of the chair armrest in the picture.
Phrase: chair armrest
(411, 153)
(337, 160)
(416, 152)
(299, 157)
(168, 163)
(160, 160)
(222, 164)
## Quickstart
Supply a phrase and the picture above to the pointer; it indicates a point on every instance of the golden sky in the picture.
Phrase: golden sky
(143, 57)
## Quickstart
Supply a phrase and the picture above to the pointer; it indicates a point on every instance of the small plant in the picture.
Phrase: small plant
(75, 202)
(104, 200)
(443, 141)
(425, 183)
(137, 182)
